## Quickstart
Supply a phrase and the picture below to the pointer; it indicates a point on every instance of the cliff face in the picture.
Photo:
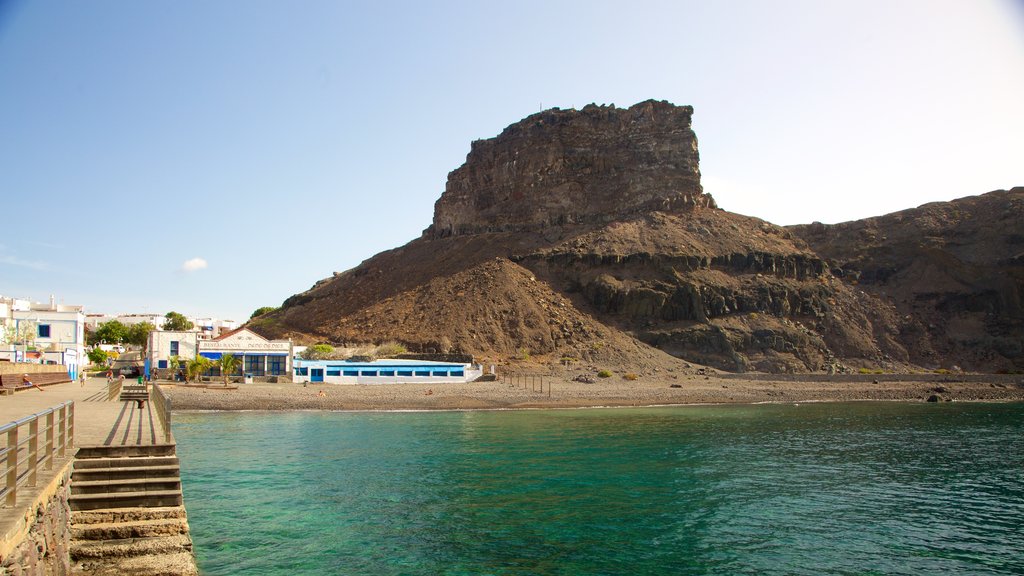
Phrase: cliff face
(586, 234)
(954, 272)
(563, 167)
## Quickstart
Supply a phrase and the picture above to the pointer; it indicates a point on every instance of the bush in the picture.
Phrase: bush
(630, 376)
(97, 356)
(317, 352)
(390, 350)
(604, 374)
(864, 370)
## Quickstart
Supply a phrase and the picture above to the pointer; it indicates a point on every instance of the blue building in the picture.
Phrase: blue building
(384, 372)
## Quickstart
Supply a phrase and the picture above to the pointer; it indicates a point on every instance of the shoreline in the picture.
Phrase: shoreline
(568, 394)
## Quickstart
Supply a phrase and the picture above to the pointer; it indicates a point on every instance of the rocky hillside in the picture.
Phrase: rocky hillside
(953, 271)
(586, 234)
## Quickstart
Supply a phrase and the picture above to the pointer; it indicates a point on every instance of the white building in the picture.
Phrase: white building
(206, 327)
(258, 356)
(40, 332)
(93, 321)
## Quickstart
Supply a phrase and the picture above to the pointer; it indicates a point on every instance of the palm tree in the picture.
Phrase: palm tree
(197, 366)
(228, 363)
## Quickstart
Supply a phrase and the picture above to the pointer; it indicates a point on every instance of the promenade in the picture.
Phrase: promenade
(98, 421)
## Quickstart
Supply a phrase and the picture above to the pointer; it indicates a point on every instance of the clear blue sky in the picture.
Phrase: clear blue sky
(281, 141)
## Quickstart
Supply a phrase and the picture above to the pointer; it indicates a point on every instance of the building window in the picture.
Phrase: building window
(44, 330)
(174, 347)
(334, 372)
(254, 365)
(350, 373)
(302, 371)
(275, 365)
(405, 372)
(161, 364)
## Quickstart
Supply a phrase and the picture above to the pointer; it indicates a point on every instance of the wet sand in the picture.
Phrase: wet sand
(563, 393)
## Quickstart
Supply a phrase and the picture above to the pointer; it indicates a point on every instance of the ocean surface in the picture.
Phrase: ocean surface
(861, 488)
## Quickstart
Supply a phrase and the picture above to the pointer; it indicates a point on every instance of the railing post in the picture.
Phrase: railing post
(71, 425)
(12, 466)
(167, 417)
(62, 423)
(49, 441)
(33, 451)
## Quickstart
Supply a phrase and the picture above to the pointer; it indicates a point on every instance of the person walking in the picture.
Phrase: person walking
(81, 378)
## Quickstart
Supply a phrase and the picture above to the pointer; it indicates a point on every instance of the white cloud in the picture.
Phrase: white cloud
(193, 265)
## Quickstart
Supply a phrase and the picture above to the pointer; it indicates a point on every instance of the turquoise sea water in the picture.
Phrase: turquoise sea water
(867, 488)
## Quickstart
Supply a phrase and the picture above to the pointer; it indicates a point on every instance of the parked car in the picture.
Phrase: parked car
(130, 371)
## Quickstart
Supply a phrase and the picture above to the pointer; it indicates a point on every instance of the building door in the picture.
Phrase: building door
(316, 374)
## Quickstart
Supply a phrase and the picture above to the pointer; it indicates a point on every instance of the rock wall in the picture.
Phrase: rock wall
(562, 167)
(39, 544)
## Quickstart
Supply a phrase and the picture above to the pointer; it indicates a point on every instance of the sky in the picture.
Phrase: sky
(215, 157)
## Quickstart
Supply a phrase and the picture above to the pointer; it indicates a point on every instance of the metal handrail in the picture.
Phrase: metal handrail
(22, 458)
(162, 404)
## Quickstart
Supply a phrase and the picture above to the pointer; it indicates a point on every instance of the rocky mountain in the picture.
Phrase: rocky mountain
(585, 234)
(953, 271)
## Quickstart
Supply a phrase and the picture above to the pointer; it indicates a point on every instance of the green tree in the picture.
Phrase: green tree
(317, 352)
(196, 366)
(111, 332)
(97, 356)
(228, 364)
(177, 322)
(262, 311)
(138, 335)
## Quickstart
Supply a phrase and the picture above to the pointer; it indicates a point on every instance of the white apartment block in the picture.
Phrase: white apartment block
(42, 332)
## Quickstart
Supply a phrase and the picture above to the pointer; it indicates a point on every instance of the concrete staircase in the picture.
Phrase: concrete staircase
(127, 515)
(134, 393)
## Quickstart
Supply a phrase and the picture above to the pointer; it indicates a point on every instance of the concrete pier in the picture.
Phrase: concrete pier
(105, 425)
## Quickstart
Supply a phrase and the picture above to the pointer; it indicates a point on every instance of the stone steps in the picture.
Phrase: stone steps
(84, 464)
(147, 499)
(109, 515)
(129, 530)
(127, 513)
(171, 564)
(129, 547)
(144, 483)
(125, 451)
(125, 472)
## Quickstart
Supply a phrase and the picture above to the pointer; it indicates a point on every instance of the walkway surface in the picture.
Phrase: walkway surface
(98, 421)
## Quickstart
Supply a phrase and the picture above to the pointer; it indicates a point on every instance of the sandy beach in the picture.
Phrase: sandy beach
(564, 393)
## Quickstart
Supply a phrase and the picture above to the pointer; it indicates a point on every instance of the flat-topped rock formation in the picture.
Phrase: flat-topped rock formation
(585, 234)
(562, 167)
